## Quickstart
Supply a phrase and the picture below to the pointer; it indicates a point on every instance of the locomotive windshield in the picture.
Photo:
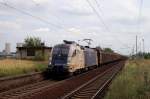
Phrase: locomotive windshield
(60, 55)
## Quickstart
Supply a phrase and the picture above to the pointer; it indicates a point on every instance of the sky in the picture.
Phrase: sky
(109, 23)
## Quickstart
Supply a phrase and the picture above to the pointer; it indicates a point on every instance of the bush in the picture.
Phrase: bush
(39, 56)
(133, 81)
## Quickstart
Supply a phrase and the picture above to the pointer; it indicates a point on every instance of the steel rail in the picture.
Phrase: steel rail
(79, 89)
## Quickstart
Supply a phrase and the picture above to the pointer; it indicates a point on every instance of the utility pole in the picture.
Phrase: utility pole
(136, 47)
(132, 53)
(143, 47)
(140, 47)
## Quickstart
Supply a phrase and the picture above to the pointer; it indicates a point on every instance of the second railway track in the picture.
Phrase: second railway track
(25, 90)
(92, 88)
(8, 83)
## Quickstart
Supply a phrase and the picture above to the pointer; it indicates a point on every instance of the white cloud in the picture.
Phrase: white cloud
(74, 30)
(129, 5)
(42, 30)
(77, 19)
(40, 1)
(8, 25)
(78, 7)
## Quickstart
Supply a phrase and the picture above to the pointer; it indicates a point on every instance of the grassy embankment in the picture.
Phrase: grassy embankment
(133, 82)
(10, 67)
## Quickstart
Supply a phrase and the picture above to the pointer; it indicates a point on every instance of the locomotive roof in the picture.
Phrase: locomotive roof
(69, 42)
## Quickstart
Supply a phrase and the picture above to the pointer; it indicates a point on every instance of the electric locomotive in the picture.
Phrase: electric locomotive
(70, 58)
(66, 58)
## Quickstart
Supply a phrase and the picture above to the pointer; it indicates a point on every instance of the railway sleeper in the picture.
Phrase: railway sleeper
(87, 91)
(85, 96)
(92, 87)
(82, 94)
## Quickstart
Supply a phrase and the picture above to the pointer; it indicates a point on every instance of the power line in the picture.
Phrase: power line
(101, 19)
(99, 7)
(26, 13)
(99, 16)
(58, 18)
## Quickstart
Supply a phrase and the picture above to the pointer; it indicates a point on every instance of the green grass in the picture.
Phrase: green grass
(133, 82)
(10, 67)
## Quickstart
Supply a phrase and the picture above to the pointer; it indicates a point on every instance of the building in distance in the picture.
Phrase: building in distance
(35, 53)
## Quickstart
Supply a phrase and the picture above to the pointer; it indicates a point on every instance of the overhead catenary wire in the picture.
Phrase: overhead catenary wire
(99, 16)
(98, 5)
(50, 23)
(102, 21)
(58, 18)
(47, 22)
(100, 10)
(27, 13)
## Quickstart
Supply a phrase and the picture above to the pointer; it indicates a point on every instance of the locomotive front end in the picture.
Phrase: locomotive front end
(59, 59)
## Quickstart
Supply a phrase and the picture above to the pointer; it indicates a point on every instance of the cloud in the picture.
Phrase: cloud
(40, 1)
(77, 19)
(76, 7)
(42, 30)
(74, 30)
(8, 25)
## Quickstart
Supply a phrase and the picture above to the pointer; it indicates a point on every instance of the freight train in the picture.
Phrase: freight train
(71, 58)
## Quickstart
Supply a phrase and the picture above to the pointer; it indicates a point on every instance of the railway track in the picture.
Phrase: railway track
(76, 86)
(8, 83)
(93, 88)
(61, 89)
(25, 90)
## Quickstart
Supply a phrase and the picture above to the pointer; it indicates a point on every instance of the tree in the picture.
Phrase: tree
(32, 42)
(146, 55)
(108, 50)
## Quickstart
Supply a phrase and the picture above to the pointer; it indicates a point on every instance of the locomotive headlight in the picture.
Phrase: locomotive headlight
(69, 60)
(49, 63)
(68, 63)
(50, 59)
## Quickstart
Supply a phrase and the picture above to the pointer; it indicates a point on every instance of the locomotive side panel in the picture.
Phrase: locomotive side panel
(90, 57)
(77, 61)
